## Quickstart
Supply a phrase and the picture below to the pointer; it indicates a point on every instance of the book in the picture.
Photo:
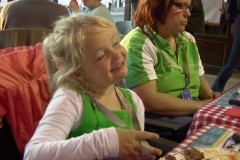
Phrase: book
(217, 137)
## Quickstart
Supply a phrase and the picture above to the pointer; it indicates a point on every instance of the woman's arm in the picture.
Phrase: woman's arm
(205, 91)
(165, 104)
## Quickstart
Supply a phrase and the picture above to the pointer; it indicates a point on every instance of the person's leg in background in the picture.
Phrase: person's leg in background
(232, 64)
(109, 6)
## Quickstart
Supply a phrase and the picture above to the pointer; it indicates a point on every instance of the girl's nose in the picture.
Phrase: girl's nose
(118, 52)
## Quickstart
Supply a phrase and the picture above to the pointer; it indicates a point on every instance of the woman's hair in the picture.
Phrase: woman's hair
(64, 49)
(151, 12)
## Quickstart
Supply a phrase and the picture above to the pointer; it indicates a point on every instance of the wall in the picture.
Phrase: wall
(2, 2)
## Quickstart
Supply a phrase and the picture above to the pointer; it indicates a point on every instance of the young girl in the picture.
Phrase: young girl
(84, 62)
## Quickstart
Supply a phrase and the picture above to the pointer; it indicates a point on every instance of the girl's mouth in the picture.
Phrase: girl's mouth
(118, 66)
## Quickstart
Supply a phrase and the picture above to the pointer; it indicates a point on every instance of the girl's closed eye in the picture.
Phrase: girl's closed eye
(116, 43)
(103, 52)
(102, 55)
(116, 40)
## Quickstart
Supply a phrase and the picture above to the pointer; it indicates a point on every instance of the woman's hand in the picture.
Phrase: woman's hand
(214, 95)
(205, 91)
(209, 98)
(130, 146)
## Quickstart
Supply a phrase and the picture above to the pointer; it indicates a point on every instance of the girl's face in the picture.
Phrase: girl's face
(177, 17)
(105, 59)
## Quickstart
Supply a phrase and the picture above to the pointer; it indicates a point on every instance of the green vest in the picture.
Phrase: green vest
(93, 119)
(169, 80)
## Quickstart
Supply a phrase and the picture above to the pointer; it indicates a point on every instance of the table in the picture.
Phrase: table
(193, 138)
(215, 112)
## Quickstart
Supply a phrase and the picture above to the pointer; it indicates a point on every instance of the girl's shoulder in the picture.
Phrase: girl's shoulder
(66, 93)
(128, 93)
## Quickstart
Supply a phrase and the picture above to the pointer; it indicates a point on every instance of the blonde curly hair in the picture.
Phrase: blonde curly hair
(64, 49)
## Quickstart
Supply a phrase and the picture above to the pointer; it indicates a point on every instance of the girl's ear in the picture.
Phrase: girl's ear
(58, 66)
(77, 76)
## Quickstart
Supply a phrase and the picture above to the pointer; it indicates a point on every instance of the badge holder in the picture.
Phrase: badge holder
(186, 94)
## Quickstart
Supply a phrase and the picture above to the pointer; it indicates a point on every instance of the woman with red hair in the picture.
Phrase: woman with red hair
(165, 68)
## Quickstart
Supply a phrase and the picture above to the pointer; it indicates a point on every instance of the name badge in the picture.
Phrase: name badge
(186, 94)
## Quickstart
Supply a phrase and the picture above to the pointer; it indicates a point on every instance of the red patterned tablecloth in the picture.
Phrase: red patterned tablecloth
(212, 113)
(193, 137)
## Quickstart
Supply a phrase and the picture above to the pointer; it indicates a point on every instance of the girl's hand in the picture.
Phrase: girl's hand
(130, 146)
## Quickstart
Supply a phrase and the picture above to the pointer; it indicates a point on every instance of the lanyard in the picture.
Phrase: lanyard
(144, 144)
(172, 62)
(115, 119)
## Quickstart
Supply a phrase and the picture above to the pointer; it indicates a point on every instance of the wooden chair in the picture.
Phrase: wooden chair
(22, 36)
